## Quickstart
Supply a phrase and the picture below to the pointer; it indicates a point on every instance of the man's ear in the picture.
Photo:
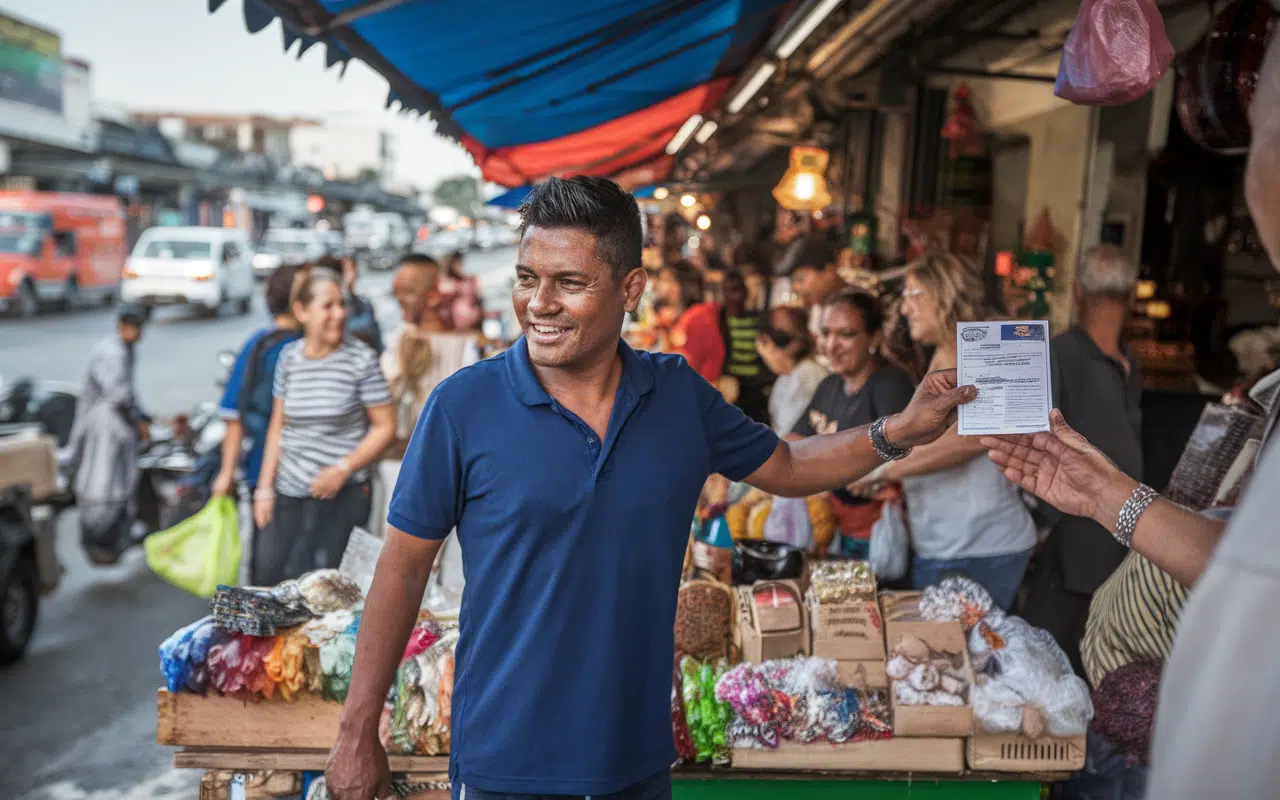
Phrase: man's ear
(633, 288)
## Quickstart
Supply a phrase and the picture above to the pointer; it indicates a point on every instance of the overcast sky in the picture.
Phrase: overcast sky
(174, 55)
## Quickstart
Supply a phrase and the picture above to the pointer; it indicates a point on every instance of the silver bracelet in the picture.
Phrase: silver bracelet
(886, 451)
(1131, 512)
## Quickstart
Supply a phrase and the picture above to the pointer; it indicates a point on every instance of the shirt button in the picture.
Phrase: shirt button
(591, 440)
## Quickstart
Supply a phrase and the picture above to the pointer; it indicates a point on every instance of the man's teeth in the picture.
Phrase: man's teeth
(546, 329)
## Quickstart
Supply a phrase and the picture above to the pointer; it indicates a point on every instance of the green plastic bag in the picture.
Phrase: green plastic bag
(200, 552)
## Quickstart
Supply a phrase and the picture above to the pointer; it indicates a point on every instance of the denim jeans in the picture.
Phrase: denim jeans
(999, 575)
(1107, 775)
(655, 787)
(307, 534)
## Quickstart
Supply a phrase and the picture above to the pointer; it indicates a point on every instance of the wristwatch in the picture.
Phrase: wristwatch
(886, 451)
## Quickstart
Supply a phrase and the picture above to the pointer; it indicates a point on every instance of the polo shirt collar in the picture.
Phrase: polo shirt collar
(636, 373)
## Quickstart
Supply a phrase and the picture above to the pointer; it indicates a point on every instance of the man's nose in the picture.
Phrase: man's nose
(545, 300)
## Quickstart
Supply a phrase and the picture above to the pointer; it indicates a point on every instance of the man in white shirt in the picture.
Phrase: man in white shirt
(1217, 728)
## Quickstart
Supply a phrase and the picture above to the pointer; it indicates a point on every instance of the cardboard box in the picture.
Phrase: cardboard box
(848, 631)
(29, 459)
(871, 671)
(889, 755)
(901, 618)
(770, 621)
(1011, 752)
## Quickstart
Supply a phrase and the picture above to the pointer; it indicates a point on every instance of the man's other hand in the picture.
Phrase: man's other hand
(358, 770)
(931, 411)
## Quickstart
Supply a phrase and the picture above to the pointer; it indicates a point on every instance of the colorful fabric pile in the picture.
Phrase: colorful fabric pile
(799, 700)
(184, 654)
(420, 711)
(1023, 682)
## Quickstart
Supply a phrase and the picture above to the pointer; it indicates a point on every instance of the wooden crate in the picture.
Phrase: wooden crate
(944, 756)
(1017, 753)
(189, 720)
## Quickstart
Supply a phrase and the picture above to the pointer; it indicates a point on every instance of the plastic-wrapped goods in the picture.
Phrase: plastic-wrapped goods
(686, 752)
(183, 655)
(423, 635)
(326, 590)
(421, 700)
(336, 659)
(259, 613)
(324, 629)
(284, 664)
(1116, 52)
(704, 619)
(789, 523)
(890, 554)
(836, 582)
(705, 715)
(958, 599)
(823, 519)
(801, 700)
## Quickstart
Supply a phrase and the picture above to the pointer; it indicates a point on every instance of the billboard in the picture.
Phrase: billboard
(30, 65)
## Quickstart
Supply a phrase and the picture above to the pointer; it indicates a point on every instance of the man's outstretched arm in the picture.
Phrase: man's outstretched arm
(822, 463)
(357, 768)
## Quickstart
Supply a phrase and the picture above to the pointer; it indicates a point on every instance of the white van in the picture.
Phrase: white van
(288, 246)
(205, 267)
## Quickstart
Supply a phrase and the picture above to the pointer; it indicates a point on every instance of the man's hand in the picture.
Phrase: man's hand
(931, 411)
(329, 481)
(1060, 467)
(223, 484)
(357, 769)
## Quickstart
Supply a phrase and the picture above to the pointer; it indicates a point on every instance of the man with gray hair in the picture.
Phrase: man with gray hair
(1097, 387)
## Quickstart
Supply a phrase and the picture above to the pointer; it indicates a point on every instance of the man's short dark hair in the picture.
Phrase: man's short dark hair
(816, 253)
(278, 287)
(418, 260)
(596, 205)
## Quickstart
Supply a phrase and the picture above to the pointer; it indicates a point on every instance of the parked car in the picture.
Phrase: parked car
(62, 249)
(488, 237)
(288, 246)
(203, 267)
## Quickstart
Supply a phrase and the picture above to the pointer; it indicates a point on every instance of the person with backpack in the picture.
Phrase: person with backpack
(249, 394)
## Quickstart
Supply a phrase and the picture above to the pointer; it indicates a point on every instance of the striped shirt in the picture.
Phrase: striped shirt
(325, 410)
(1133, 617)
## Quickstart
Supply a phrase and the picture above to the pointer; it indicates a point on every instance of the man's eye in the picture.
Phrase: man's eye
(572, 284)
(524, 279)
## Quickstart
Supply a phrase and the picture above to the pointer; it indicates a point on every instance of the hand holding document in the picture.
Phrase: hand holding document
(1009, 363)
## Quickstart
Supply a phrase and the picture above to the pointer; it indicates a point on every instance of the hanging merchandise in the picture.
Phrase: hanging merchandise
(804, 186)
(713, 547)
(1117, 51)
(1036, 271)
(962, 130)
(1218, 76)
(890, 553)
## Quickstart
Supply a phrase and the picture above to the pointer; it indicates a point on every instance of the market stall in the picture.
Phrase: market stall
(805, 680)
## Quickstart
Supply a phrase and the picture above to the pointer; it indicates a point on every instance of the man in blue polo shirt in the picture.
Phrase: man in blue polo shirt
(570, 466)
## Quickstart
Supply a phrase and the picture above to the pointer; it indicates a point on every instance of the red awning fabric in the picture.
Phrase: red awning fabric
(633, 141)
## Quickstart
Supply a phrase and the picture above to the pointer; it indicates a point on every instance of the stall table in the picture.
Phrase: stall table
(225, 736)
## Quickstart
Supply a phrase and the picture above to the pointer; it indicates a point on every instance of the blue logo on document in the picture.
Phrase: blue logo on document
(1013, 333)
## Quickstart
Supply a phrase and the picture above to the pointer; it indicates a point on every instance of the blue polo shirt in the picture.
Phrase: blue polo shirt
(572, 550)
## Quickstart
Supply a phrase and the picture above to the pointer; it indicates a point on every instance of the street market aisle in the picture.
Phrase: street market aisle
(77, 715)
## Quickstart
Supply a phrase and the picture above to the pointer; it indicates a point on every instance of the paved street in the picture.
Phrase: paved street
(77, 715)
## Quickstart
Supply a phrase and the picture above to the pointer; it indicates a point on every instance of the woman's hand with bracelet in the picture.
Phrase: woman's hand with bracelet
(1063, 469)
(330, 480)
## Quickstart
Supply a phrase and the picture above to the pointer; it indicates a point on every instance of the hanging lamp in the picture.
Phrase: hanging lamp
(804, 186)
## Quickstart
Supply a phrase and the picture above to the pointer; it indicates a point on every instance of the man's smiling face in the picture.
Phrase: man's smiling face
(569, 303)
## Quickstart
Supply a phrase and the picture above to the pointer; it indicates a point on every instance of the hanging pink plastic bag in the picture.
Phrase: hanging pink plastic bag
(1116, 52)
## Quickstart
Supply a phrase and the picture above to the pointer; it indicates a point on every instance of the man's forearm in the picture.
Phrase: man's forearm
(821, 463)
(232, 444)
(1175, 539)
(390, 611)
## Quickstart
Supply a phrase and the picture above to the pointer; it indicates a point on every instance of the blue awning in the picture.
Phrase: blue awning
(499, 75)
(512, 198)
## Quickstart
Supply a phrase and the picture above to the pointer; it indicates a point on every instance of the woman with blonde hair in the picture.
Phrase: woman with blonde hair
(965, 518)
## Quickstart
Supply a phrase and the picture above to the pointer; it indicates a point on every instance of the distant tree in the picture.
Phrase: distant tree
(460, 192)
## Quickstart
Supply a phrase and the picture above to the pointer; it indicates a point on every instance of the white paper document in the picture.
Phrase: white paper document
(1009, 363)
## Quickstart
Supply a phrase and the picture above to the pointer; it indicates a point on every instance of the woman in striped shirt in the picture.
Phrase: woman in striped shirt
(332, 419)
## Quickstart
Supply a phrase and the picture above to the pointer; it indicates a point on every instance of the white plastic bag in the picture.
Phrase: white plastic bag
(890, 544)
(789, 523)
